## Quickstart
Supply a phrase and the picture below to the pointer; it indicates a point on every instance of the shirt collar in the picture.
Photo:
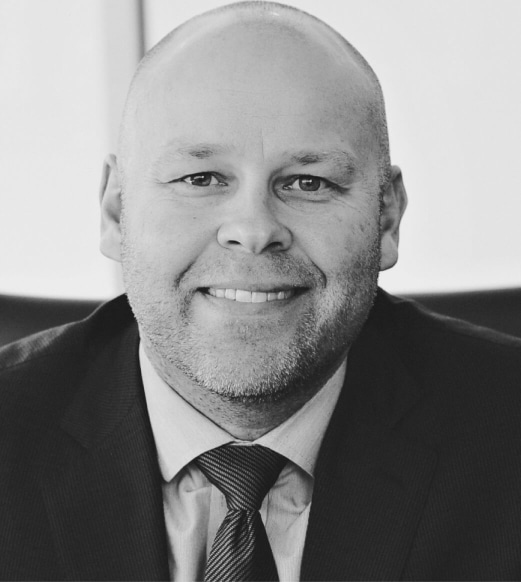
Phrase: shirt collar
(182, 433)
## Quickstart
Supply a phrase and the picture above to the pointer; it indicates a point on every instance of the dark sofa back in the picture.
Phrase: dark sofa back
(499, 309)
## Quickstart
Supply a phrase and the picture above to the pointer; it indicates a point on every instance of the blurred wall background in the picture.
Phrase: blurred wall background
(451, 74)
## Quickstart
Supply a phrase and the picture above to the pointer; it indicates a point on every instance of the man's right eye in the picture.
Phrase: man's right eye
(201, 180)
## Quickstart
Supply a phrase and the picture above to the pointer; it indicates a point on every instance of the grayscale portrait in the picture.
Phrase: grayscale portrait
(241, 386)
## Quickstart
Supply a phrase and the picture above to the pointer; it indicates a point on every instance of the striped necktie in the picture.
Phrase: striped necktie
(244, 474)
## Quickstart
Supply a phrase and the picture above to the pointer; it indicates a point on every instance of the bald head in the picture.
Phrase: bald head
(264, 33)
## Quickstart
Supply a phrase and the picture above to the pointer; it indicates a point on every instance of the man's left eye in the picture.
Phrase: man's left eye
(201, 180)
(306, 184)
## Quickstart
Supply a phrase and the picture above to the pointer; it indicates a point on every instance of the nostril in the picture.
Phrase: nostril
(275, 246)
(254, 237)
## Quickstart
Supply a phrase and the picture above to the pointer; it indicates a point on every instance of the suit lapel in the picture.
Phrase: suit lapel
(371, 482)
(102, 488)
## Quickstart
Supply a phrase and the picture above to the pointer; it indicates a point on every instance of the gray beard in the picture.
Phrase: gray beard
(300, 367)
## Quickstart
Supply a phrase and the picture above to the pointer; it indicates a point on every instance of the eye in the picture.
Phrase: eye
(306, 184)
(201, 180)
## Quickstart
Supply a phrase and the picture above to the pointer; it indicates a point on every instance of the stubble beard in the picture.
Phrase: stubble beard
(261, 371)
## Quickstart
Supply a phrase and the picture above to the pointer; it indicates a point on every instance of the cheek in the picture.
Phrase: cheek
(163, 238)
(339, 242)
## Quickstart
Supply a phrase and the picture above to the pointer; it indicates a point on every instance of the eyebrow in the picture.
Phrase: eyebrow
(205, 150)
(340, 157)
(200, 151)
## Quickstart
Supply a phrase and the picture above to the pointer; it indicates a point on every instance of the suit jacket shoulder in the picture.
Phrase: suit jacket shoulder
(42, 370)
(419, 469)
(79, 481)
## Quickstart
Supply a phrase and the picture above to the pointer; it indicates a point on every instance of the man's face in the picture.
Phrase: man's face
(250, 230)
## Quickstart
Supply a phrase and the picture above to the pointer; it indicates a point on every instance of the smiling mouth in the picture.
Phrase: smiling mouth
(244, 296)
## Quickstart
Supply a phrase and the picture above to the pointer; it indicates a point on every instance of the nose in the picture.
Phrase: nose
(252, 226)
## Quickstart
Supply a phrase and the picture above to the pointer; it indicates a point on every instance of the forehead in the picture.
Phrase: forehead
(250, 82)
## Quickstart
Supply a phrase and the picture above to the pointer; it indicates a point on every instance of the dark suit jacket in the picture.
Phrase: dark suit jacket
(418, 478)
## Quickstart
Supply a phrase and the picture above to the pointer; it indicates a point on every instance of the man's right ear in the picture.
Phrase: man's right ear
(110, 203)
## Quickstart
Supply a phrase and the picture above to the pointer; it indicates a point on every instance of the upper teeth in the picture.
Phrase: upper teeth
(249, 296)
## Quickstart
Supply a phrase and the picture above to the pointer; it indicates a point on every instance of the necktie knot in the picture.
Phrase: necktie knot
(244, 474)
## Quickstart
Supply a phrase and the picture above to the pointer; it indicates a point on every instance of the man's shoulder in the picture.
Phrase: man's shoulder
(75, 338)
(449, 381)
(41, 370)
(448, 355)
(410, 319)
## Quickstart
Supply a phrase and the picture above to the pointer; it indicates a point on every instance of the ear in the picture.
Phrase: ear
(110, 202)
(394, 202)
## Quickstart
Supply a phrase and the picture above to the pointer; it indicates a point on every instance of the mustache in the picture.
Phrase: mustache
(281, 268)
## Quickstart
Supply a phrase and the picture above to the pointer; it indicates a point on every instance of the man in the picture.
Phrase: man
(252, 205)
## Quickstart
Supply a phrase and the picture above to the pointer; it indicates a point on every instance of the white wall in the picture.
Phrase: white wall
(451, 73)
(64, 69)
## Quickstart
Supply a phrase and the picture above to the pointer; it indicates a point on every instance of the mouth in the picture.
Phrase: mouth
(246, 296)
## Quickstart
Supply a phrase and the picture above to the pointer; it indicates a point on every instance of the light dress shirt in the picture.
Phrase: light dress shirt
(194, 508)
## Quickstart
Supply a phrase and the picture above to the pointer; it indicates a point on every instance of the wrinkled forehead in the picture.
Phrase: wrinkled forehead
(222, 74)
